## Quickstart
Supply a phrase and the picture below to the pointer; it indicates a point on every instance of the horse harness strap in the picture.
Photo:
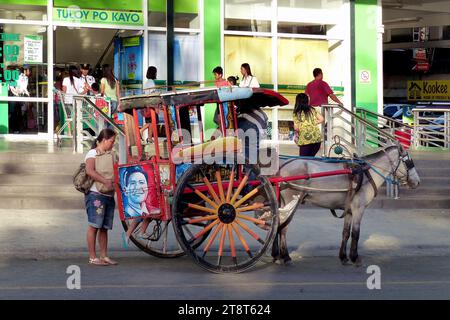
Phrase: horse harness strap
(359, 171)
(369, 177)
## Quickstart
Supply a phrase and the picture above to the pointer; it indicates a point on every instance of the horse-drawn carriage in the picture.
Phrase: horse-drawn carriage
(195, 191)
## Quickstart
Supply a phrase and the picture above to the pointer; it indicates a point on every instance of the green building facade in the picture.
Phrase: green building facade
(282, 40)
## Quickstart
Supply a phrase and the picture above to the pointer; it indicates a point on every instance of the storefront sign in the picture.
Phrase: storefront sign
(76, 15)
(429, 90)
(10, 53)
(9, 37)
(32, 49)
(131, 41)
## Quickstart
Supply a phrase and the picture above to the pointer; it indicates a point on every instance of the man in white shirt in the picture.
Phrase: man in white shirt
(85, 77)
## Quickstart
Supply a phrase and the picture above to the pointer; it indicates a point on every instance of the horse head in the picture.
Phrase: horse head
(406, 172)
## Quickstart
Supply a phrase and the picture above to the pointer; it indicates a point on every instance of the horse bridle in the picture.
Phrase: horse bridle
(403, 158)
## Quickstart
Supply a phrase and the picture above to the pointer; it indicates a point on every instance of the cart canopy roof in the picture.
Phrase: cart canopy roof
(243, 97)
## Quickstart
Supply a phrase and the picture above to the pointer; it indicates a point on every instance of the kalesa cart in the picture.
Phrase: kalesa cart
(211, 203)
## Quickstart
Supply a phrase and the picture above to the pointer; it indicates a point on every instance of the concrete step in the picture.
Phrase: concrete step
(42, 202)
(42, 180)
(441, 181)
(19, 157)
(38, 168)
(15, 189)
(409, 202)
(423, 191)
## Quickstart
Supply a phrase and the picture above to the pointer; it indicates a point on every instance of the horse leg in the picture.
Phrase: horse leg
(357, 216)
(276, 247)
(345, 237)
(284, 252)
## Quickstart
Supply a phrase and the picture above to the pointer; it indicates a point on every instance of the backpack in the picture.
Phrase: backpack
(81, 180)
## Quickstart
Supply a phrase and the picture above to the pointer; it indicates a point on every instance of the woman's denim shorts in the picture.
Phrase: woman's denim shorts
(100, 210)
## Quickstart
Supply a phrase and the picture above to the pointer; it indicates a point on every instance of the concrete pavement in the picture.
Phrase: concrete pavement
(411, 247)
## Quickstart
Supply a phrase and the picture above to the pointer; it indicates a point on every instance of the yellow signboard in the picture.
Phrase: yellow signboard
(429, 90)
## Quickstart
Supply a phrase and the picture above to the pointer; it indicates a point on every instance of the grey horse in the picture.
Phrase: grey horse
(353, 194)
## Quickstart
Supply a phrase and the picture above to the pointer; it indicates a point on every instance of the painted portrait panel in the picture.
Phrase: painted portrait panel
(136, 190)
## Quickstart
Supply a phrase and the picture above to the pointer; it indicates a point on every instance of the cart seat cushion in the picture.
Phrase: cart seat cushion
(217, 147)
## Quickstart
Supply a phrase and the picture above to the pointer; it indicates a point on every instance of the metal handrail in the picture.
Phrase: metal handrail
(374, 114)
(427, 137)
(431, 110)
(104, 115)
(367, 123)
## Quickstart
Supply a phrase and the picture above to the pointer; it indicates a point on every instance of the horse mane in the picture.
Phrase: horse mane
(376, 154)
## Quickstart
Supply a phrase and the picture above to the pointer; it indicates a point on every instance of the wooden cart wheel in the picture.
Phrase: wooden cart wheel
(163, 242)
(239, 217)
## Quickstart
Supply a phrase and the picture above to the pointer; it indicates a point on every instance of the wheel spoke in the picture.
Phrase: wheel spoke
(222, 243)
(251, 207)
(204, 197)
(241, 238)
(246, 228)
(211, 239)
(257, 221)
(232, 247)
(210, 189)
(188, 231)
(220, 186)
(246, 197)
(239, 189)
(192, 221)
(209, 227)
(230, 185)
(165, 237)
(201, 208)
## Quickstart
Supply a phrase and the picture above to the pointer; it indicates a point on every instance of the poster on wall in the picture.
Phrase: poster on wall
(32, 49)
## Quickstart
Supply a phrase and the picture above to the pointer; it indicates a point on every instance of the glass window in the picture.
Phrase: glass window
(308, 4)
(297, 59)
(252, 16)
(23, 60)
(186, 56)
(27, 117)
(255, 51)
(186, 14)
(157, 13)
(302, 28)
(35, 10)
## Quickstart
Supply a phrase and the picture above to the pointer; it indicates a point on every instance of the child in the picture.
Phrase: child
(96, 89)
(232, 81)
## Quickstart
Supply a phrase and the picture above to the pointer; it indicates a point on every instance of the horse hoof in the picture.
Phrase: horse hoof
(288, 262)
(344, 261)
(358, 262)
(276, 261)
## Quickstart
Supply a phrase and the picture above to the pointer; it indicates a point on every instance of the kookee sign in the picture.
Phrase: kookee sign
(429, 90)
